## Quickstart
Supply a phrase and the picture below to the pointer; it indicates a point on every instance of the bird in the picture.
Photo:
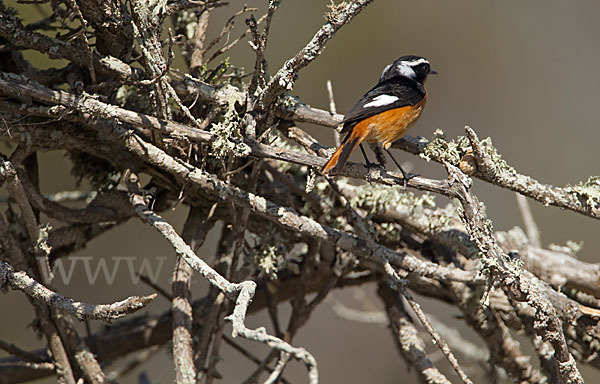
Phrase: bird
(385, 113)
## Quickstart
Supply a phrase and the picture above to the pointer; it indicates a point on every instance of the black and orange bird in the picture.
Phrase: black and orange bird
(385, 113)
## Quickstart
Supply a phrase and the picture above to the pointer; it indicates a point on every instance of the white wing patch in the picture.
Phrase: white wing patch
(381, 100)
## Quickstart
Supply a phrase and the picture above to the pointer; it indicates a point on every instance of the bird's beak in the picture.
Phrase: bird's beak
(432, 72)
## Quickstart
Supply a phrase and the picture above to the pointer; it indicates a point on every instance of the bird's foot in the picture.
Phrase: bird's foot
(372, 170)
(407, 176)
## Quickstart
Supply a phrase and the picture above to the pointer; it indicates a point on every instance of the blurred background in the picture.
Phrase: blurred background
(525, 73)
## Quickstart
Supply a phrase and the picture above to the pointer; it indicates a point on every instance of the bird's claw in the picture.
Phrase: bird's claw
(407, 176)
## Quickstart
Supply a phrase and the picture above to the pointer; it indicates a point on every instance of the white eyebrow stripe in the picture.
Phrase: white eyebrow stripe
(415, 63)
(381, 100)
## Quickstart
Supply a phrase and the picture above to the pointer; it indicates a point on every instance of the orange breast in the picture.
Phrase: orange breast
(392, 124)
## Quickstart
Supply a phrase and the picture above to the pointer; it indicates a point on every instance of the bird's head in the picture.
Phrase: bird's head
(413, 67)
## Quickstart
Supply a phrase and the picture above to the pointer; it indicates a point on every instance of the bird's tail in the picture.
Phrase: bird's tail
(336, 163)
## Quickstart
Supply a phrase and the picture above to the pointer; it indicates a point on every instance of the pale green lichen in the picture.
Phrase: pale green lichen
(266, 261)
(311, 177)
(42, 245)
(442, 150)
(271, 254)
(588, 192)
(380, 198)
(572, 247)
(228, 139)
(390, 232)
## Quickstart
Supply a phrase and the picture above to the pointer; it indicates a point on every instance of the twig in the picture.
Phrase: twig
(227, 47)
(107, 312)
(196, 58)
(146, 280)
(15, 369)
(466, 348)
(260, 75)
(60, 357)
(112, 345)
(250, 356)
(17, 191)
(407, 337)
(260, 334)
(263, 365)
(531, 227)
(351, 314)
(276, 373)
(16, 351)
(432, 331)
(503, 349)
(180, 5)
(215, 310)
(194, 233)
(285, 77)
(217, 334)
(225, 31)
(141, 358)
(103, 110)
(88, 52)
(333, 110)
(565, 197)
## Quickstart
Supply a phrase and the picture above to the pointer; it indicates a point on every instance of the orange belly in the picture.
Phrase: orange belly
(391, 125)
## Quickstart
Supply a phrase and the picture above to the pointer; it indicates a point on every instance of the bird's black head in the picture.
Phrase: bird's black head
(413, 67)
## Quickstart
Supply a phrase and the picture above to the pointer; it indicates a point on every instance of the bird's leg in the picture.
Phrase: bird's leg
(369, 164)
(379, 155)
(407, 176)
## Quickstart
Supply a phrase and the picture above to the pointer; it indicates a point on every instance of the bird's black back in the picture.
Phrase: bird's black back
(408, 92)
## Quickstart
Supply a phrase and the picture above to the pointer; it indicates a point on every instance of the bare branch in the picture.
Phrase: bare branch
(20, 281)
(407, 337)
(333, 110)
(284, 78)
(194, 232)
(531, 227)
(18, 352)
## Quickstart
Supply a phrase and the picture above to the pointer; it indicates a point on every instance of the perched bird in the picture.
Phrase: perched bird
(385, 113)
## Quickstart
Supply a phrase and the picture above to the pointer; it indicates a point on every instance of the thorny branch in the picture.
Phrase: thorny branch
(123, 114)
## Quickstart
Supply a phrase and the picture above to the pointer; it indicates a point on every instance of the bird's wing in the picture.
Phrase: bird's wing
(393, 93)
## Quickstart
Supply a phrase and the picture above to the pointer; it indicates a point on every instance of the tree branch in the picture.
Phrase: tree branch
(20, 281)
